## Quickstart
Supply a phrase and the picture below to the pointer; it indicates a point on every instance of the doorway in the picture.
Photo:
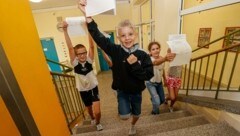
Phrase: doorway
(51, 54)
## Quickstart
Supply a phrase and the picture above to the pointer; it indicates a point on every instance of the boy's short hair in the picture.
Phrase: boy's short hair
(126, 23)
(78, 46)
(153, 43)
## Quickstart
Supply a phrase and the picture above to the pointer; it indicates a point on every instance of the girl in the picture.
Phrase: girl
(154, 85)
(173, 82)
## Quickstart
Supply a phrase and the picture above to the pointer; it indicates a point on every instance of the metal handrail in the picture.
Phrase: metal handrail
(68, 95)
(223, 37)
(65, 68)
(190, 69)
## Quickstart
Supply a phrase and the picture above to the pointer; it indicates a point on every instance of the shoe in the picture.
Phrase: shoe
(132, 131)
(153, 113)
(170, 109)
(99, 127)
(93, 122)
(166, 102)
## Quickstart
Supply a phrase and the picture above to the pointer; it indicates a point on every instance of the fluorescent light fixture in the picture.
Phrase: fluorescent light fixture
(36, 1)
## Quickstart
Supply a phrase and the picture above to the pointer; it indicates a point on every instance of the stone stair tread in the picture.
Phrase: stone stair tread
(149, 118)
(150, 128)
(145, 111)
(143, 119)
(218, 129)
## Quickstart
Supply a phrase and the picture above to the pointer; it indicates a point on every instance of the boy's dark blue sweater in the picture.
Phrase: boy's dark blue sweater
(126, 77)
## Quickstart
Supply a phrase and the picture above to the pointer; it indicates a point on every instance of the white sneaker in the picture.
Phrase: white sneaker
(99, 127)
(132, 131)
(93, 122)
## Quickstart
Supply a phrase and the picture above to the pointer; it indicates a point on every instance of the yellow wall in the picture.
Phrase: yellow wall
(8, 128)
(217, 19)
(21, 44)
(192, 3)
(47, 28)
(166, 21)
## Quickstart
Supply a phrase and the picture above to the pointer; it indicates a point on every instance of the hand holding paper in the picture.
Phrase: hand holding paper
(178, 44)
(76, 26)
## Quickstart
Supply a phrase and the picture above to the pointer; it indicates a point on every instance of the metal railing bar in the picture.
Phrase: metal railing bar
(199, 73)
(221, 74)
(74, 95)
(59, 97)
(74, 103)
(216, 40)
(59, 64)
(185, 70)
(69, 99)
(217, 51)
(188, 78)
(205, 77)
(60, 74)
(195, 65)
(214, 67)
(232, 71)
(66, 101)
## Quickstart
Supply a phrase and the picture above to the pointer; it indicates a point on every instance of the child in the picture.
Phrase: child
(131, 67)
(154, 85)
(173, 82)
(86, 81)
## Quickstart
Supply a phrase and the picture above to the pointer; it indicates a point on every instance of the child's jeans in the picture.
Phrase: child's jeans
(129, 104)
(157, 95)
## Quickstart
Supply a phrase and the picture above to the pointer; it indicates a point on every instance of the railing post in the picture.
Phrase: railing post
(220, 78)
(189, 72)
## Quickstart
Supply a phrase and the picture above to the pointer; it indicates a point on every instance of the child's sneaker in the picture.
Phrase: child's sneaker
(99, 127)
(93, 122)
(170, 109)
(132, 131)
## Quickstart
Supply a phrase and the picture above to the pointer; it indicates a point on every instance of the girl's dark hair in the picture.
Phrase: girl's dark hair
(152, 43)
(78, 46)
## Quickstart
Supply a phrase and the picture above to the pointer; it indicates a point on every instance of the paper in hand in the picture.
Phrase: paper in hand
(95, 7)
(179, 45)
(76, 26)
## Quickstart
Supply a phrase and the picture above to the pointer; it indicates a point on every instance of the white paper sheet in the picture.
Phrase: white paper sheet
(95, 7)
(178, 44)
(181, 59)
(76, 26)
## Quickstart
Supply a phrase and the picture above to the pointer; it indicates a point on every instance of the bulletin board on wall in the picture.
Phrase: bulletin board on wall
(204, 37)
(232, 39)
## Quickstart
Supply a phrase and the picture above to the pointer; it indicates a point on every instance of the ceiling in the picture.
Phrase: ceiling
(47, 4)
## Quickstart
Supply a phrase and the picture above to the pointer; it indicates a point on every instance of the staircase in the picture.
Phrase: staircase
(178, 123)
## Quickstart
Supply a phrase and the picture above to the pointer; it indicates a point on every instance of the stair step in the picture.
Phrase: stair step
(86, 127)
(219, 129)
(145, 119)
(148, 128)
(145, 111)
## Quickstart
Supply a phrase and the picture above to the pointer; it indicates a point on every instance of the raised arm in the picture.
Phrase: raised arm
(81, 5)
(108, 60)
(91, 47)
(68, 41)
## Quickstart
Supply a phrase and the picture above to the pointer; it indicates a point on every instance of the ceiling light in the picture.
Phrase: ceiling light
(36, 1)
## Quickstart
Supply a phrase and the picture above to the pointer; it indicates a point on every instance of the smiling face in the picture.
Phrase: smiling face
(126, 34)
(154, 49)
(81, 53)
